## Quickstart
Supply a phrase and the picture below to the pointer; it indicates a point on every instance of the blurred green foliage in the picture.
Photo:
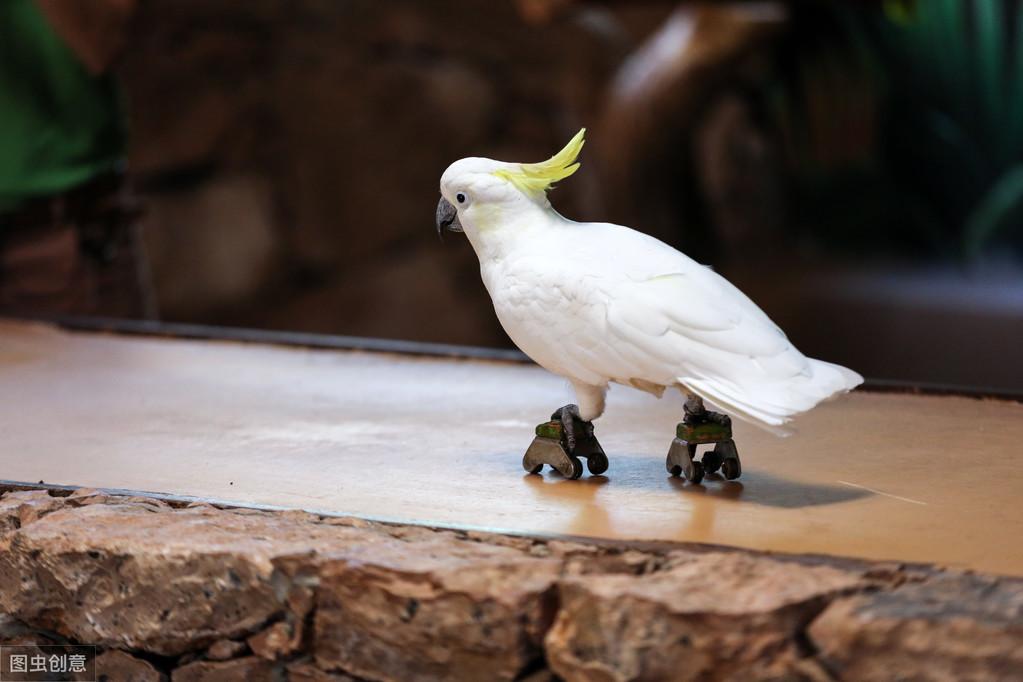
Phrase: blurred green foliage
(903, 125)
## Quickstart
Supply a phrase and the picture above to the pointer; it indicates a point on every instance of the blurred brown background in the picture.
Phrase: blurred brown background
(289, 154)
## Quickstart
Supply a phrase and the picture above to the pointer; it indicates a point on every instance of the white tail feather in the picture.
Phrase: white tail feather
(771, 405)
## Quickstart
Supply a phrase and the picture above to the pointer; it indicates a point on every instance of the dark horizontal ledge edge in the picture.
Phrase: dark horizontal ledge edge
(180, 330)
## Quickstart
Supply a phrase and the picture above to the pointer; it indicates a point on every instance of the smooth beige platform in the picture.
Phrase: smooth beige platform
(439, 441)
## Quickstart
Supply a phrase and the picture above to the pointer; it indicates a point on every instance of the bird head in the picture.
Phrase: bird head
(478, 194)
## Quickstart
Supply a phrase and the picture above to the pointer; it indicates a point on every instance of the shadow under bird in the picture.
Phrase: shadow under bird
(598, 303)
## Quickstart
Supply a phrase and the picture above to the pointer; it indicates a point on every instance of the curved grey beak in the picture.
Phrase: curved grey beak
(447, 217)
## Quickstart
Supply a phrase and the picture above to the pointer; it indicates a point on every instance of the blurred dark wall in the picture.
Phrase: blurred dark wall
(290, 151)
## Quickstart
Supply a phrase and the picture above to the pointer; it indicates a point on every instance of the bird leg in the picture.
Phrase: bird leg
(696, 413)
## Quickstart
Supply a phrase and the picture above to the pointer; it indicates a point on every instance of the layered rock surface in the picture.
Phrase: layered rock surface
(195, 592)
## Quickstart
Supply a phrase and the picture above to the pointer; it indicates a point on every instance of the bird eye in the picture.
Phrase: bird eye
(460, 198)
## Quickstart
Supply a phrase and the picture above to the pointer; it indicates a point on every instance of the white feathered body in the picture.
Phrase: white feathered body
(599, 303)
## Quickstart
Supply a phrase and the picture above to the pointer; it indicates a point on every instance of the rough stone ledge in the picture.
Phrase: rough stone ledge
(196, 592)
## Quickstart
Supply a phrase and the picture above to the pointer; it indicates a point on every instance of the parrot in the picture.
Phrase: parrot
(601, 304)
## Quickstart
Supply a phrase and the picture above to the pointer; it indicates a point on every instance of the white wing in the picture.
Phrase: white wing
(671, 320)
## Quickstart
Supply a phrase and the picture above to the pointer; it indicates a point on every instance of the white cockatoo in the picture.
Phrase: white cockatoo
(598, 303)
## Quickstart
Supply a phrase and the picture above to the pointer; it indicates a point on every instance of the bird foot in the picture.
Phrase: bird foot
(695, 413)
(561, 443)
(571, 424)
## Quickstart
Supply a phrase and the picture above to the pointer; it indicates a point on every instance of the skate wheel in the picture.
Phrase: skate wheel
(731, 468)
(675, 471)
(711, 462)
(535, 469)
(597, 463)
(577, 468)
(697, 475)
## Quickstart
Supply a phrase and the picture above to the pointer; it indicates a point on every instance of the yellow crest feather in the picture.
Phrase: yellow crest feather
(537, 178)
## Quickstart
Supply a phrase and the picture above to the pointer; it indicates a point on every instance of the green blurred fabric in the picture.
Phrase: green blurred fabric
(59, 125)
